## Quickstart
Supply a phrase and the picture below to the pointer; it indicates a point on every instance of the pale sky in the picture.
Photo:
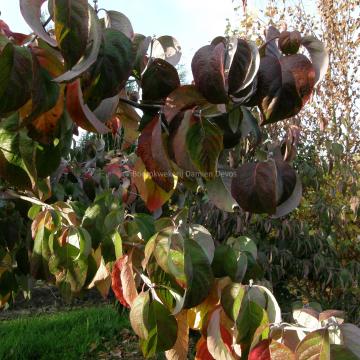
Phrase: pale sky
(194, 23)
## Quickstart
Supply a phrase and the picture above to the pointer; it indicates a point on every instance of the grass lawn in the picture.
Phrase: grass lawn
(88, 333)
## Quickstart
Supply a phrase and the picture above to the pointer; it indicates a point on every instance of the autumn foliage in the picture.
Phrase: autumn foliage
(86, 228)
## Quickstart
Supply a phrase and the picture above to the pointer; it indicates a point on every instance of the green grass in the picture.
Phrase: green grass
(65, 335)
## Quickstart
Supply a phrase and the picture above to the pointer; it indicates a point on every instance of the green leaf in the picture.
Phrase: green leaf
(15, 78)
(351, 335)
(229, 262)
(91, 52)
(202, 236)
(204, 142)
(41, 252)
(144, 224)
(44, 94)
(162, 248)
(198, 272)
(113, 219)
(315, 345)
(71, 29)
(160, 322)
(112, 68)
(231, 299)
(340, 352)
(235, 119)
(224, 260)
(33, 211)
(251, 317)
(238, 271)
(116, 238)
(272, 307)
(70, 274)
(12, 166)
(243, 243)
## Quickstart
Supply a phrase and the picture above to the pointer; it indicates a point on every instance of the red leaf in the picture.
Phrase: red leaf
(152, 152)
(208, 70)
(183, 98)
(123, 283)
(254, 187)
(202, 352)
(19, 39)
(284, 86)
(261, 351)
(79, 111)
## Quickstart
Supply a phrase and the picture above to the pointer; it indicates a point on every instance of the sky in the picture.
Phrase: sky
(194, 23)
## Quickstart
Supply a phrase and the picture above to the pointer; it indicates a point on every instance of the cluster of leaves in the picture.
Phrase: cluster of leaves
(85, 228)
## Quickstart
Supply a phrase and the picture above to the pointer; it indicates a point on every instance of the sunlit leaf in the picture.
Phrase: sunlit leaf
(216, 345)
(307, 317)
(231, 299)
(167, 48)
(152, 194)
(319, 56)
(80, 112)
(180, 349)
(139, 314)
(31, 12)
(183, 98)
(315, 345)
(123, 282)
(118, 21)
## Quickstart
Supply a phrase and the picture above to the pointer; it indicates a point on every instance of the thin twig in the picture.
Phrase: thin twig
(141, 106)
